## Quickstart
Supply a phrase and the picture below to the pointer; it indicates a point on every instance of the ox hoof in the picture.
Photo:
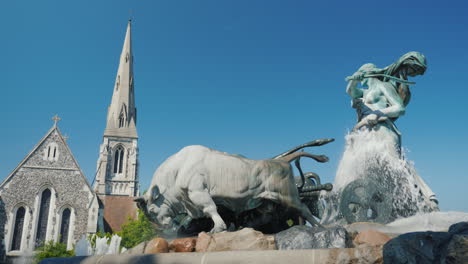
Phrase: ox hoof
(218, 229)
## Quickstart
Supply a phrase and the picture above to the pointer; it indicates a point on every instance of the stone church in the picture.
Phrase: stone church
(47, 196)
(117, 167)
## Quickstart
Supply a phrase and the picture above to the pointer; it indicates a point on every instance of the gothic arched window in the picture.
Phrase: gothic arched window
(121, 120)
(118, 159)
(18, 229)
(51, 153)
(43, 217)
(65, 226)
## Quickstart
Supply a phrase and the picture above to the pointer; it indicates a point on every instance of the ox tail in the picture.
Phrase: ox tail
(315, 143)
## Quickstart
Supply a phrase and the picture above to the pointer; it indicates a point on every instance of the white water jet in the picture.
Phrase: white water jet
(114, 246)
(434, 221)
(102, 246)
(372, 159)
(363, 149)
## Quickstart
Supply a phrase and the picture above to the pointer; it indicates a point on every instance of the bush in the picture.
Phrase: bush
(52, 250)
(136, 231)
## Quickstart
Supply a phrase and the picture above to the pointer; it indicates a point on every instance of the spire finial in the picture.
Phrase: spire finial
(56, 118)
(130, 15)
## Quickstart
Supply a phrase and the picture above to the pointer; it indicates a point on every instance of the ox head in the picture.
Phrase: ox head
(155, 205)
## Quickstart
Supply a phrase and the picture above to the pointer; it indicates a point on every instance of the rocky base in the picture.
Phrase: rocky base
(298, 244)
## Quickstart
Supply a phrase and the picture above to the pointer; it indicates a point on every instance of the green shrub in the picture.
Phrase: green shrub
(52, 250)
(136, 231)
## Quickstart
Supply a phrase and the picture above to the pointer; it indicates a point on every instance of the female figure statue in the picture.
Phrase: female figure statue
(372, 175)
(379, 106)
(385, 99)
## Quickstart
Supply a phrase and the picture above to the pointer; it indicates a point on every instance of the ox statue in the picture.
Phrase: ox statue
(198, 181)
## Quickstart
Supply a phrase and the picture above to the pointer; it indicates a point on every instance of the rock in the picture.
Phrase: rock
(203, 241)
(304, 237)
(138, 249)
(371, 237)
(156, 245)
(457, 250)
(245, 239)
(183, 244)
(363, 255)
(459, 228)
(418, 247)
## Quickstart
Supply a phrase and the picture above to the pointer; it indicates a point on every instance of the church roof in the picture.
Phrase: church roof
(121, 115)
(117, 210)
(73, 164)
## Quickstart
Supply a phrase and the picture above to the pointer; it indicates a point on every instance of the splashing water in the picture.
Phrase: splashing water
(102, 246)
(372, 159)
(114, 246)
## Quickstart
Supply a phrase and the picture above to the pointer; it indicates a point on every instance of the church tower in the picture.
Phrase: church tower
(117, 166)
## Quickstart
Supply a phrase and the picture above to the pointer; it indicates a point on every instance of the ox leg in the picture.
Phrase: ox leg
(305, 212)
(203, 199)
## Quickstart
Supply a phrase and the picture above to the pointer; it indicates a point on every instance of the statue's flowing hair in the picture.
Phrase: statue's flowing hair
(413, 59)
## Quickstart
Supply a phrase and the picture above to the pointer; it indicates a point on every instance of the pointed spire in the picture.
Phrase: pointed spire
(121, 115)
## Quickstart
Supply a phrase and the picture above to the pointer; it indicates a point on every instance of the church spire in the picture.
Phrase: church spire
(121, 115)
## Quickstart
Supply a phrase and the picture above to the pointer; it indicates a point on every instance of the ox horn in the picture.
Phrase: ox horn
(139, 199)
(140, 202)
(294, 156)
(315, 143)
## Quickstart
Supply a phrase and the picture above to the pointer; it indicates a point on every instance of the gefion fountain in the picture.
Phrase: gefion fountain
(374, 182)
(219, 202)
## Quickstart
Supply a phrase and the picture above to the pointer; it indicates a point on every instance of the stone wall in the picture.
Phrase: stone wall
(62, 176)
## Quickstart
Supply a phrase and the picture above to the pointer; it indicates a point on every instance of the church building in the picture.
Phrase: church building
(117, 165)
(47, 197)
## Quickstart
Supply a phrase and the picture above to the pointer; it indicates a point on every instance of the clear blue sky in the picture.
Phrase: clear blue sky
(248, 77)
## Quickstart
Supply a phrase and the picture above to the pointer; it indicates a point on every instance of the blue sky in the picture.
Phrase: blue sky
(248, 77)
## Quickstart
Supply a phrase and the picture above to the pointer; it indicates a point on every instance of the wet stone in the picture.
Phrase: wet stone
(371, 237)
(157, 245)
(304, 237)
(183, 244)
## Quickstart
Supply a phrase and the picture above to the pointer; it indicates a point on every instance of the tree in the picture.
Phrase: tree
(53, 250)
(136, 231)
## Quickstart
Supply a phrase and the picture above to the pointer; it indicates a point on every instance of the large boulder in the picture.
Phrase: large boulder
(304, 237)
(457, 250)
(460, 228)
(418, 247)
(429, 247)
(245, 239)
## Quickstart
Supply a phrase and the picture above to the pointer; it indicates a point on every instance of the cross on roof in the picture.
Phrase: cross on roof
(56, 118)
